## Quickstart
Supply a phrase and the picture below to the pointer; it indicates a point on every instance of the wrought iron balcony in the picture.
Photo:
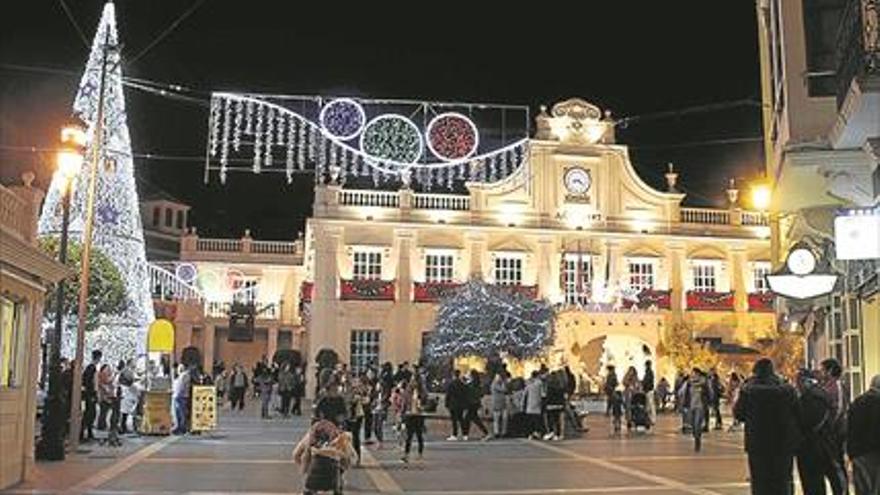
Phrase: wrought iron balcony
(858, 45)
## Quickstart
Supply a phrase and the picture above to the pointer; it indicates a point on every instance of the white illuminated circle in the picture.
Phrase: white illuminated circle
(577, 180)
(801, 261)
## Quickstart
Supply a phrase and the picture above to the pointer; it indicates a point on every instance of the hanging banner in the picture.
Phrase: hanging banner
(204, 408)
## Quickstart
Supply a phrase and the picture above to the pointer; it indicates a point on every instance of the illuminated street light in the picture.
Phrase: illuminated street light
(69, 160)
(761, 196)
(798, 278)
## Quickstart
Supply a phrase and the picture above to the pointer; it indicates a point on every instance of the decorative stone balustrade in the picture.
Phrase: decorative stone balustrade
(709, 216)
(453, 202)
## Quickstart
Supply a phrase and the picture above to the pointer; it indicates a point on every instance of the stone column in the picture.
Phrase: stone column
(738, 281)
(677, 278)
(30, 402)
(208, 348)
(476, 245)
(401, 339)
(271, 341)
(323, 331)
(548, 269)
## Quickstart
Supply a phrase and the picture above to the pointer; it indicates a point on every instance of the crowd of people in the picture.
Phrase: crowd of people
(280, 387)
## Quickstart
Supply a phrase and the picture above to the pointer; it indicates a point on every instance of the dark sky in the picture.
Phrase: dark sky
(633, 57)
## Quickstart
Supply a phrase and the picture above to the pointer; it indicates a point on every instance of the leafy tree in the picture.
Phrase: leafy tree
(786, 350)
(683, 352)
(486, 320)
(106, 285)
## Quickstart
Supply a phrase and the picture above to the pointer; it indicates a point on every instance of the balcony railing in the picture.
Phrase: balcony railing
(357, 197)
(167, 286)
(273, 247)
(262, 311)
(15, 215)
(218, 245)
(755, 218)
(858, 44)
(705, 216)
(455, 202)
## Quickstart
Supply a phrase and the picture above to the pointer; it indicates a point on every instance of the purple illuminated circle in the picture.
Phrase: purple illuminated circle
(343, 118)
(186, 272)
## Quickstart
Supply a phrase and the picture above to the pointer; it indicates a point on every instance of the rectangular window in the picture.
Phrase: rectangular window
(157, 213)
(821, 24)
(169, 216)
(641, 274)
(364, 350)
(12, 343)
(367, 264)
(439, 267)
(577, 278)
(760, 270)
(854, 320)
(179, 219)
(704, 277)
(508, 269)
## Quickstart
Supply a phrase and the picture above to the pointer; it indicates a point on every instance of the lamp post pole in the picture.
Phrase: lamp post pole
(51, 446)
(97, 155)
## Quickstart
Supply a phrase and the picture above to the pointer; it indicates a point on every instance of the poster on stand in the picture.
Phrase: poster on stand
(157, 413)
(204, 408)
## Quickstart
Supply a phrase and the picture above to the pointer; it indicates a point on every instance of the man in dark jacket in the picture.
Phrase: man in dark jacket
(456, 403)
(863, 439)
(813, 460)
(768, 408)
(648, 389)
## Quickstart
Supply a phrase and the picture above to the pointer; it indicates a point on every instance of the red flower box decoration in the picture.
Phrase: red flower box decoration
(762, 302)
(529, 291)
(709, 301)
(366, 290)
(306, 292)
(651, 297)
(433, 291)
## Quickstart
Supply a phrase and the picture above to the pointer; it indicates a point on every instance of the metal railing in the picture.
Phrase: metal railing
(165, 285)
(263, 311)
(384, 199)
(456, 202)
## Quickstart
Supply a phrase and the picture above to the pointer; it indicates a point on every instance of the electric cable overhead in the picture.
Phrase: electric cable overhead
(167, 31)
(82, 35)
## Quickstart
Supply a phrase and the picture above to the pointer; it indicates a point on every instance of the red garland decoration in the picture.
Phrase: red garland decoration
(762, 302)
(528, 291)
(650, 297)
(366, 290)
(452, 137)
(709, 301)
(431, 292)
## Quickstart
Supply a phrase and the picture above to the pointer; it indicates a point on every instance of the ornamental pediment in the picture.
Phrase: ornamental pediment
(575, 121)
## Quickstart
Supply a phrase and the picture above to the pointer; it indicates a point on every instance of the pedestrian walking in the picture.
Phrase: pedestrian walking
(534, 399)
(615, 404)
(474, 404)
(106, 394)
(456, 403)
(181, 389)
(733, 386)
(830, 373)
(716, 391)
(555, 403)
(863, 439)
(813, 456)
(367, 380)
(357, 399)
(128, 393)
(697, 400)
(264, 383)
(661, 394)
(609, 387)
(238, 382)
(380, 410)
(769, 410)
(412, 413)
(285, 388)
(648, 390)
(90, 396)
(499, 393)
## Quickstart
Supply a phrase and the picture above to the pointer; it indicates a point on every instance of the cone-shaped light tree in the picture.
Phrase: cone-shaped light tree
(117, 230)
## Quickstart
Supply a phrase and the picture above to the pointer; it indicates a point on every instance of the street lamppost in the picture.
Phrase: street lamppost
(97, 152)
(69, 160)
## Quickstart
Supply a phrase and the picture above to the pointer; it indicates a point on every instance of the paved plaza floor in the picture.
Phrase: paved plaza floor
(250, 455)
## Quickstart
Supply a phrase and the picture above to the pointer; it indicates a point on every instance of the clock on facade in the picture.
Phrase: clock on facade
(801, 261)
(577, 180)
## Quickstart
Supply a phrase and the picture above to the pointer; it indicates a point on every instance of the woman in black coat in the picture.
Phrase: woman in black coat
(475, 399)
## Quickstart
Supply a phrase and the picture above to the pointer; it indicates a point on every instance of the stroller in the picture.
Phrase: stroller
(638, 412)
(325, 452)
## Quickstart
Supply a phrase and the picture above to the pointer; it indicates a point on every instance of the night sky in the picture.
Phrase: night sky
(636, 58)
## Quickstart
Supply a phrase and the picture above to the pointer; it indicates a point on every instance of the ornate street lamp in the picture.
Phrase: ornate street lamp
(69, 160)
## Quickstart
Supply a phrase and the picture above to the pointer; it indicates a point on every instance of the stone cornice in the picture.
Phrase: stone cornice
(19, 256)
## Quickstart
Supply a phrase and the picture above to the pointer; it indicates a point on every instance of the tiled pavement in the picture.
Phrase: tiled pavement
(249, 455)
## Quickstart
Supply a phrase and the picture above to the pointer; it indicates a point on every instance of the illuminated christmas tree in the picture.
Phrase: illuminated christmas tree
(117, 230)
(485, 320)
